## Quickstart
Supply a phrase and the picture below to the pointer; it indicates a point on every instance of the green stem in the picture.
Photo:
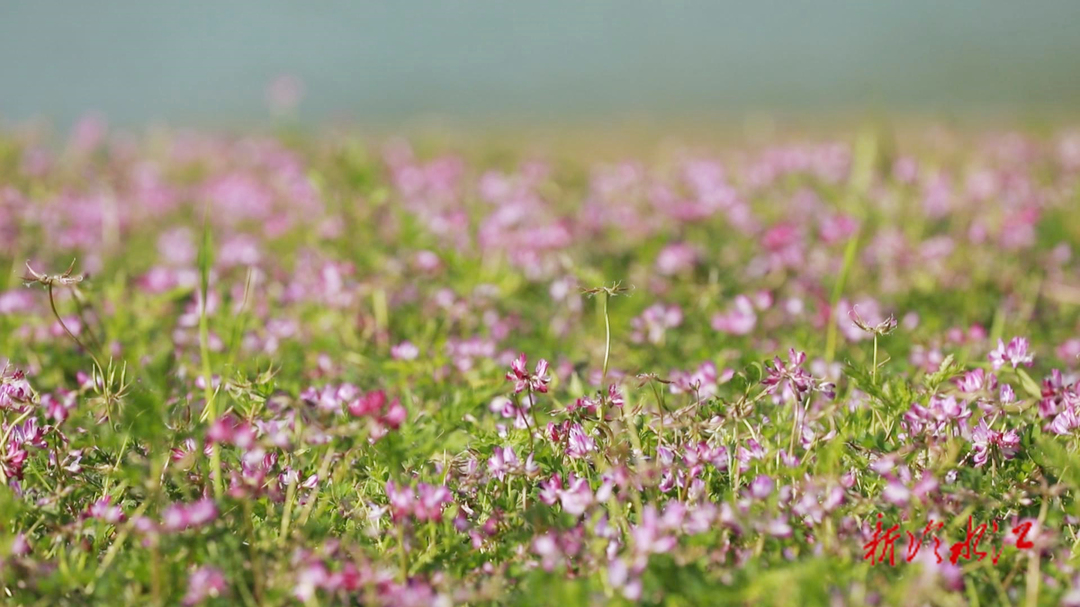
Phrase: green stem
(52, 304)
(403, 555)
(532, 414)
(1033, 581)
(873, 371)
(660, 408)
(209, 413)
(607, 341)
(324, 469)
(286, 517)
(838, 290)
(256, 561)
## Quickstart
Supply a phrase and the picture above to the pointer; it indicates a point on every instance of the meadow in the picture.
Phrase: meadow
(292, 368)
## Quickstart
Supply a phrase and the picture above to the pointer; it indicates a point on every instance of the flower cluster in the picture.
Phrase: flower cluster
(293, 370)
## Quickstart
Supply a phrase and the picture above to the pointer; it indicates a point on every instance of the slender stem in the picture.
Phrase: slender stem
(403, 555)
(210, 410)
(256, 561)
(607, 341)
(733, 463)
(660, 408)
(532, 403)
(80, 305)
(286, 517)
(639, 454)
(873, 371)
(155, 574)
(794, 426)
(18, 420)
(56, 313)
(1033, 581)
(324, 468)
(838, 290)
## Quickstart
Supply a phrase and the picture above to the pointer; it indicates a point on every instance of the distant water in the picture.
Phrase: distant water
(383, 62)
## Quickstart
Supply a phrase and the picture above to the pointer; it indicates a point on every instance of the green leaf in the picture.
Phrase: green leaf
(206, 255)
(1029, 384)
(1057, 460)
(946, 371)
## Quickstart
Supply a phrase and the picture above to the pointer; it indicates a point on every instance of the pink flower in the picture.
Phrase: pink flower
(14, 389)
(654, 323)
(550, 489)
(547, 548)
(577, 497)
(619, 576)
(503, 462)
(761, 487)
(648, 536)
(984, 438)
(203, 583)
(430, 501)
(401, 500)
(705, 381)
(1069, 351)
(310, 578)
(977, 380)
(779, 527)
(537, 381)
(1016, 353)
(396, 414)
(367, 404)
(675, 259)
(58, 407)
(740, 319)
(104, 510)
(781, 377)
(404, 351)
(896, 493)
(579, 444)
(179, 516)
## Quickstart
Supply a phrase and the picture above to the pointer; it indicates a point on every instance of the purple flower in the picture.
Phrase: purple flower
(431, 501)
(654, 323)
(705, 381)
(896, 493)
(104, 510)
(550, 489)
(180, 516)
(577, 497)
(402, 500)
(547, 548)
(536, 381)
(778, 527)
(203, 583)
(781, 377)
(976, 381)
(649, 536)
(984, 439)
(1016, 353)
(579, 444)
(740, 319)
(761, 487)
(675, 259)
(15, 390)
(404, 351)
(503, 462)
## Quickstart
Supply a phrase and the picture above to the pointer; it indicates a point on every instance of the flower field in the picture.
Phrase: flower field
(327, 370)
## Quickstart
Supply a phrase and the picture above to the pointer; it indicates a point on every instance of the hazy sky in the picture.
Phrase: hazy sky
(382, 62)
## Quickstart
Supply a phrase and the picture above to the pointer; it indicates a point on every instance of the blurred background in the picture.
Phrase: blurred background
(473, 62)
